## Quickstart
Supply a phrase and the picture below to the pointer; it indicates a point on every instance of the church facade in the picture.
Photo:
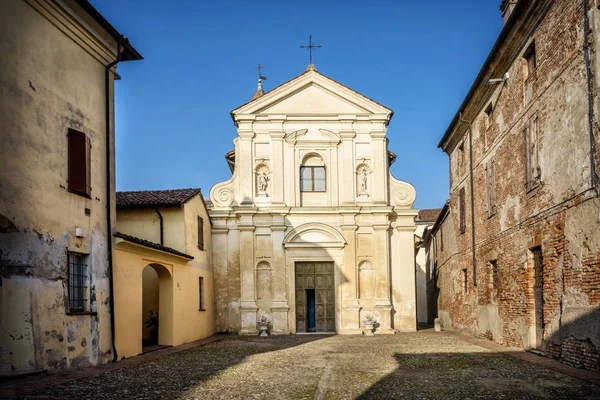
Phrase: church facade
(312, 230)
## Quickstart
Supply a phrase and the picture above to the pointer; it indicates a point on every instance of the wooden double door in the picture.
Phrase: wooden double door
(315, 297)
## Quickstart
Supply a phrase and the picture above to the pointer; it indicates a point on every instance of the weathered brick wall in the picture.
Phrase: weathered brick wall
(551, 216)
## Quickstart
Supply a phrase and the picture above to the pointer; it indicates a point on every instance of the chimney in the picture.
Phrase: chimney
(507, 7)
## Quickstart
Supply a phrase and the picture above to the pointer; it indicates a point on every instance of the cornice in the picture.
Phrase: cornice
(75, 28)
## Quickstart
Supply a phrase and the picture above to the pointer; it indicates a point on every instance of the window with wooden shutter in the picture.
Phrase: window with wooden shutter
(491, 187)
(200, 233)
(461, 211)
(79, 165)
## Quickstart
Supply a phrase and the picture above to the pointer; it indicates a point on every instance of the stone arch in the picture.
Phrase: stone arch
(157, 281)
(314, 234)
(313, 159)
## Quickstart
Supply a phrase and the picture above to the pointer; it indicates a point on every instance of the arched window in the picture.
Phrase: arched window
(312, 175)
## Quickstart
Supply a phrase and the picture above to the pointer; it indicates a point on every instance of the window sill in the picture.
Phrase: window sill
(82, 313)
(87, 196)
(202, 309)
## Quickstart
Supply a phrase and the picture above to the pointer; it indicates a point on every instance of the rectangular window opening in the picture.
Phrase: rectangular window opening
(77, 283)
(79, 163)
(465, 281)
(531, 59)
(201, 294)
(491, 187)
(532, 154)
(312, 179)
(494, 278)
(488, 116)
(462, 211)
(200, 233)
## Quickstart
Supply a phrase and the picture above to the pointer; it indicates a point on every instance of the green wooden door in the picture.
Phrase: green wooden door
(317, 276)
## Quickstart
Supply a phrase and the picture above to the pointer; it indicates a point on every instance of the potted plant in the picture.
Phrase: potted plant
(369, 325)
(263, 324)
(152, 324)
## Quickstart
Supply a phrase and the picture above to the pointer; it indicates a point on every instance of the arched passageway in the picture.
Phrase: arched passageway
(157, 306)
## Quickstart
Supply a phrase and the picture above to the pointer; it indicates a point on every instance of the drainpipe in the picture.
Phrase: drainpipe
(470, 123)
(588, 70)
(108, 201)
(161, 225)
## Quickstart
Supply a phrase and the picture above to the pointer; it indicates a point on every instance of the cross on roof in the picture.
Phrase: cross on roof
(310, 47)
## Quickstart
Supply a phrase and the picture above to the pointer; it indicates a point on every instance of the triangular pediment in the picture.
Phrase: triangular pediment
(312, 93)
(313, 99)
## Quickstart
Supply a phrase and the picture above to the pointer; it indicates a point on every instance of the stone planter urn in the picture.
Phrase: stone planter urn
(263, 325)
(263, 330)
(369, 325)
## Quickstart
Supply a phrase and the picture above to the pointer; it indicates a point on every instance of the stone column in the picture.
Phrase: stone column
(280, 308)
(383, 305)
(350, 305)
(248, 307)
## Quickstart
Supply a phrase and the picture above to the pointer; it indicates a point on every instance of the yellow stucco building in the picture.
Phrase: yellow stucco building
(163, 266)
(57, 210)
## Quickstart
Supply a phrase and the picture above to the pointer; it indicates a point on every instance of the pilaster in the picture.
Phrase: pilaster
(383, 305)
(248, 307)
(280, 308)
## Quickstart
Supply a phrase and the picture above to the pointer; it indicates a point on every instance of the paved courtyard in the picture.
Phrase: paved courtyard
(410, 366)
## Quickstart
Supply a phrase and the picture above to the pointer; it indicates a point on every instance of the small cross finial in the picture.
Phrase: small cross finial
(311, 46)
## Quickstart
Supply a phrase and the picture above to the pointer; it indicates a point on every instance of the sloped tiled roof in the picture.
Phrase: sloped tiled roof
(428, 215)
(155, 198)
(152, 245)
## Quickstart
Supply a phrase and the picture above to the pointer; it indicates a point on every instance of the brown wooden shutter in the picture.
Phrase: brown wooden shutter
(461, 211)
(78, 164)
(200, 233)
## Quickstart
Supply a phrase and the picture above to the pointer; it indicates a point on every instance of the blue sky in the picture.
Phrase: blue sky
(173, 126)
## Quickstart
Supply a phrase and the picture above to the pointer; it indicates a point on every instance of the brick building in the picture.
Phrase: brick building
(518, 251)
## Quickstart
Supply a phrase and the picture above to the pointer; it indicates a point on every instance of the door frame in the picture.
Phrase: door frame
(315, 254)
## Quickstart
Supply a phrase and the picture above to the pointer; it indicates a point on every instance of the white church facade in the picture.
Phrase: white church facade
(311, 229)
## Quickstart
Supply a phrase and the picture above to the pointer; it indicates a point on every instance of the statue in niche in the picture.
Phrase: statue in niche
(363, 180)
(263, 182)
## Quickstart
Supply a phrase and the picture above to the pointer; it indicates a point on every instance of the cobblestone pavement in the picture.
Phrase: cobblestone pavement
(410, 366)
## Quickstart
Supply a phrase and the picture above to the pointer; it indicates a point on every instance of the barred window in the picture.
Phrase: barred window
(78, 283)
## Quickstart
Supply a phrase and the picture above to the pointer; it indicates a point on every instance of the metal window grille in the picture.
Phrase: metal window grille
(77, 282)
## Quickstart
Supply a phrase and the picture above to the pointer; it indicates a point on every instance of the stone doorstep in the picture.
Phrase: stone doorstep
(532, 357)
(19, 387)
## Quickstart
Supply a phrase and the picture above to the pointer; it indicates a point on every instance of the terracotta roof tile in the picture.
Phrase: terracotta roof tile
(152, 245)
(428, 215)
(155, 198)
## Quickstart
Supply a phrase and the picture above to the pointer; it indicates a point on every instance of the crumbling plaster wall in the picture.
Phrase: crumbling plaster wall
(50, 81)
